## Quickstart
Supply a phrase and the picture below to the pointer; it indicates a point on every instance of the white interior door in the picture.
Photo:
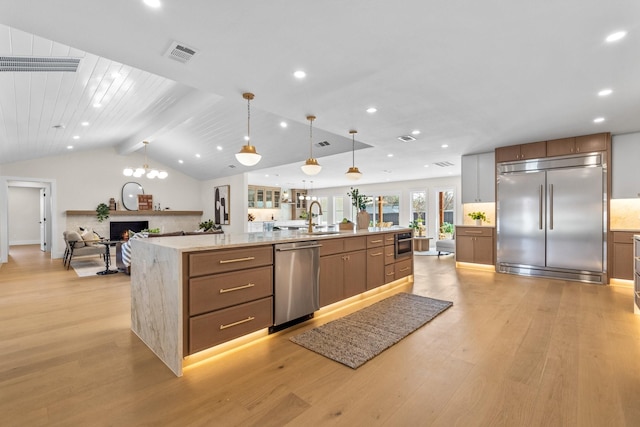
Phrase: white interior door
(43, 220)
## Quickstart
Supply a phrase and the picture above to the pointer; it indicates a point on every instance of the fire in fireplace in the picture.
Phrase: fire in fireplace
(117, 229)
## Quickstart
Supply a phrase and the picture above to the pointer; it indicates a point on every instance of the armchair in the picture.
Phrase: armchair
(76, 246)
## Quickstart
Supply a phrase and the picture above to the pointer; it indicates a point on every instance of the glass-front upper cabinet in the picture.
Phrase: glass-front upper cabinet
(260, 198)
(252, 197)
(264, 197)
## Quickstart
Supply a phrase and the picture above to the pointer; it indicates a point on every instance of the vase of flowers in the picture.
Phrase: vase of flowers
(359, 201)
(418, 227)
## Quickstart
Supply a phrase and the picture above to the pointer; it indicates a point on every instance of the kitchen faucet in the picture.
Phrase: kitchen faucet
(309, 214)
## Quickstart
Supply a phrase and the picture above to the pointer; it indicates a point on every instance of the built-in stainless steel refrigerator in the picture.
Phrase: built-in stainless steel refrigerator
(551, 218)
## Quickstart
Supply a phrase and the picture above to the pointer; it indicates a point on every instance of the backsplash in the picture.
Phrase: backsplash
(625, 214)
(489, 210)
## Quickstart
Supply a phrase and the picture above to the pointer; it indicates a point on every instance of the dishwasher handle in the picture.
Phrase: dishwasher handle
(297, 248)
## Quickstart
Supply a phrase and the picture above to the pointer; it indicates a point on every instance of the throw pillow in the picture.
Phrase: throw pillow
(88, 237)
(74, 236)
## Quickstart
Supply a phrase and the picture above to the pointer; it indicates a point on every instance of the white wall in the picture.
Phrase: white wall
(86, 178)
(24, 216)
(238, 204)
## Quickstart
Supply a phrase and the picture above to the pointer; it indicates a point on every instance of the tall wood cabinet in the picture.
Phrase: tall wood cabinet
(623, 254)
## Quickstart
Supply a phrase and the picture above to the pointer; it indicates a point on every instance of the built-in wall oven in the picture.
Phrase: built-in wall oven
(404, 244)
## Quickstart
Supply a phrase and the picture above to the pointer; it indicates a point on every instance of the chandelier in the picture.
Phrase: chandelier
(311, 166)
(353, 173)
(248, 155)
(145, 170)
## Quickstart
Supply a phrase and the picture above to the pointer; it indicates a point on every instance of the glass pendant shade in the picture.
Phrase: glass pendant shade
(353, 173)
(248, 156)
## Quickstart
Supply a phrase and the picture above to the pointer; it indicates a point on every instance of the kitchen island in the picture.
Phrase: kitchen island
(191, 294)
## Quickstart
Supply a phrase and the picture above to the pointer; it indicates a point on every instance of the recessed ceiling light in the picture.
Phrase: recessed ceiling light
(283, 124)
(246, 138)
(219, 148)
(97, 105)
(85, 123)
(299, 74)
(605, 92)
(390, 155)
(152, 3)
(76, 136)
(69, 147)
(198, 155)
(415, 132)
(426, 166)
(598, 120)
(616, 36)
(116, 75)
(266, 175)
(181, 161)
(371, 110)
(445, 146)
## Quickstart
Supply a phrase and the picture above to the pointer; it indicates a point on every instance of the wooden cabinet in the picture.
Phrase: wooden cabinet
(622, 267)
(579, 144)
(475, 244)
(343, 269)
(263, 197)
(532, 150)
(229, 294)
(478, 178)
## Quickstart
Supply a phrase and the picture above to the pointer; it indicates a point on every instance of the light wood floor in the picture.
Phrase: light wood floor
(511, 351)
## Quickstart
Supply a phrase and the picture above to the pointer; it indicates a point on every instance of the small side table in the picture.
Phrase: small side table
(421, 244)
(107, 257)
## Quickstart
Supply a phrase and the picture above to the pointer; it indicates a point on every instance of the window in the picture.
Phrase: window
(390, 210)
(446, 214)
(418, 208)
(338, 208)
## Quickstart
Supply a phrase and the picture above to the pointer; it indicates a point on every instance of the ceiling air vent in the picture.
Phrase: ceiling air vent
(323, 144)
(443, 164)
(36, 64)
(180, 52)
(406, 138)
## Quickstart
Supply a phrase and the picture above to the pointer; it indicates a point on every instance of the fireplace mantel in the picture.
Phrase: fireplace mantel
(138, 213)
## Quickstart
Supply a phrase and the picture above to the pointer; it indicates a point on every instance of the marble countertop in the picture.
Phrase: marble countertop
(218, 241)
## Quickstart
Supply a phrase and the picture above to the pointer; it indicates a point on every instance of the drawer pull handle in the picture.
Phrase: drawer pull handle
(390, 255)
(227, 261)
(377, 254)
(390, 274)
(239, 322)
(405, 269)
(237, 288)
(472, 232)
(376, 241)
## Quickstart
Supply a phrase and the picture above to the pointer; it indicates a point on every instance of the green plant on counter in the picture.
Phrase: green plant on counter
(478, 215)
(358, 200)
(416, 224)
(446, 228)
(102, 212)
(206, 225)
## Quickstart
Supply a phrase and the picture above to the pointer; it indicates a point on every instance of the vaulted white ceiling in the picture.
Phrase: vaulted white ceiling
(472, 75)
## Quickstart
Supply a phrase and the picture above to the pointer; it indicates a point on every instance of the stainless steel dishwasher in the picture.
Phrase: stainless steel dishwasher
(297, 273)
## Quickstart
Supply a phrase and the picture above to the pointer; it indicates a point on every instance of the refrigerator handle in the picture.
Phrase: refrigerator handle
(550, 206)
(540, 189)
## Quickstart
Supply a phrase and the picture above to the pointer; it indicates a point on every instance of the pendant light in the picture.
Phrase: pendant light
(248, 155)
(150, 173)
(353, 173)
(311, 166)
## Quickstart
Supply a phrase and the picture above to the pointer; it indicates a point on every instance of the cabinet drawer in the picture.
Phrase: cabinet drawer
(202, 263)
(331, 246)
(375, 241)
(623, 236)
(389, 273)
(389, 255)
(474, 231)
(403, 268)
(210, 293)
(355, 244)
(224, 325)
(389, 239)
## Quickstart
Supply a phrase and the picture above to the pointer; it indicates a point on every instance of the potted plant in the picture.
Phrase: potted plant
(446, 230)
(478, 216)
(359, 201)
(418, 227)
(102, 212)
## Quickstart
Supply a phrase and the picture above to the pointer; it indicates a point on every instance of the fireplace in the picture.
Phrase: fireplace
(118, 228)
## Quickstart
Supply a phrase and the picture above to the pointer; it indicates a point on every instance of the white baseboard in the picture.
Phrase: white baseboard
(23, 242)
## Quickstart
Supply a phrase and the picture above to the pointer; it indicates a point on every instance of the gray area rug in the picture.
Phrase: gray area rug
(360, 336)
